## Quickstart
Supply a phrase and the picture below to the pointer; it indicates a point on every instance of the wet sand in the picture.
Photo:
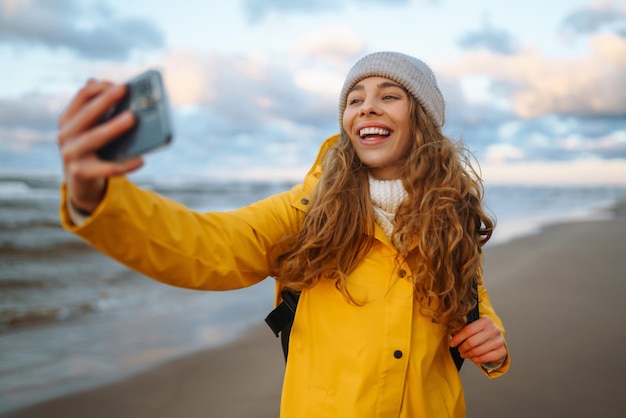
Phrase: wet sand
(560, 294)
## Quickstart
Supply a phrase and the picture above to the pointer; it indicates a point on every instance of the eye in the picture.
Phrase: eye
(393, 93)
(354, 100)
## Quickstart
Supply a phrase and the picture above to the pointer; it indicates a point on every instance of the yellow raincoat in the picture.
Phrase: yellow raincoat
(381, 359)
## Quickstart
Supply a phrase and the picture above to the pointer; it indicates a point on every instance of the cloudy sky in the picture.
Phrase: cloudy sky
(536, 89)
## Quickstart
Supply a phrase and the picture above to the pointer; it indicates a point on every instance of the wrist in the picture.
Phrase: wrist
(85, 200)
(79, 210)
(80, 213)
(493, 366)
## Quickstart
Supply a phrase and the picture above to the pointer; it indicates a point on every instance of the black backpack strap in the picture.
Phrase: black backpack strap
(472, 316)
(281, 318)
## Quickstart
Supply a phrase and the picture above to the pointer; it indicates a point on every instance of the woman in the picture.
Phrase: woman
(383, 240)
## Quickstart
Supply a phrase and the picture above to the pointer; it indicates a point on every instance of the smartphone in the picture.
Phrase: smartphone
(146, 97)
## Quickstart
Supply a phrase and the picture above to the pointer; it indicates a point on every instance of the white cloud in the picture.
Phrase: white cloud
(579, 172)
(334, 45)
(476, 88)
(189, 77)
(319, 81)
(255, 66)
(324, 55)
(499, 153)
(610, 48)
(537, 85)
(599, 146)
(22, 140)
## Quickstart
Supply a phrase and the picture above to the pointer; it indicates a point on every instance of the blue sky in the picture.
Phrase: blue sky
(536, 89)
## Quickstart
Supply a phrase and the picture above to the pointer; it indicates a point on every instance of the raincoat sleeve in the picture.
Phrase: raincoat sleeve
(175, 245)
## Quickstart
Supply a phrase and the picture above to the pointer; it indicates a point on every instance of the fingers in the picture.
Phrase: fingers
(74, 146)
(76, 102)
(89, 104)
(463, 334)
(91, 168)
(491, 351)
(79, 136)
(91, 89)
(480, 341)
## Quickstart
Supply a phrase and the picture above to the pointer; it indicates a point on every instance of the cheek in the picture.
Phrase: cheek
(348, 118)
(407, 145)
(346, 121)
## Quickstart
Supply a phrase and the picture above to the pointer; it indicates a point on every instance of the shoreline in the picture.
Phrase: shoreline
(557, 292)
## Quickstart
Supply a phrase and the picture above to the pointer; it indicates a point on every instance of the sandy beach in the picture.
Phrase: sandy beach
(559, 293)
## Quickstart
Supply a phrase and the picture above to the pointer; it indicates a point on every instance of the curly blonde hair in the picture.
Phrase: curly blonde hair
(443, 212)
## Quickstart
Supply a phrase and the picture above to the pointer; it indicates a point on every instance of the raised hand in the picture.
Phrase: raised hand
(80, 136)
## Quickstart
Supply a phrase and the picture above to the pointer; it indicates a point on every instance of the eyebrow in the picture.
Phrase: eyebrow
(383, 84)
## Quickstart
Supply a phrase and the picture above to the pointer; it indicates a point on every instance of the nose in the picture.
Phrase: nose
(369, 107)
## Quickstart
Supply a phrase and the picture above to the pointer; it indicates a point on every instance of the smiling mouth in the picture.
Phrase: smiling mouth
(372, 133)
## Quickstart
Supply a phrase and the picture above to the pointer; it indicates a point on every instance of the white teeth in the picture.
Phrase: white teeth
(373, 131)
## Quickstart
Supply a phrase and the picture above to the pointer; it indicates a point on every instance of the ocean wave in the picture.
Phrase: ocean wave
(52, 222)
(28, 188)
(50, 249)
(11, 319)
(9, 285)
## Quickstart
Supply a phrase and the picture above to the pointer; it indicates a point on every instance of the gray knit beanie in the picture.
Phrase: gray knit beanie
(411, 73)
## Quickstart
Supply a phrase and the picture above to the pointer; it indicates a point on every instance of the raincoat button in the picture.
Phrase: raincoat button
(402, 274)
(304, 201)
(397, 354)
